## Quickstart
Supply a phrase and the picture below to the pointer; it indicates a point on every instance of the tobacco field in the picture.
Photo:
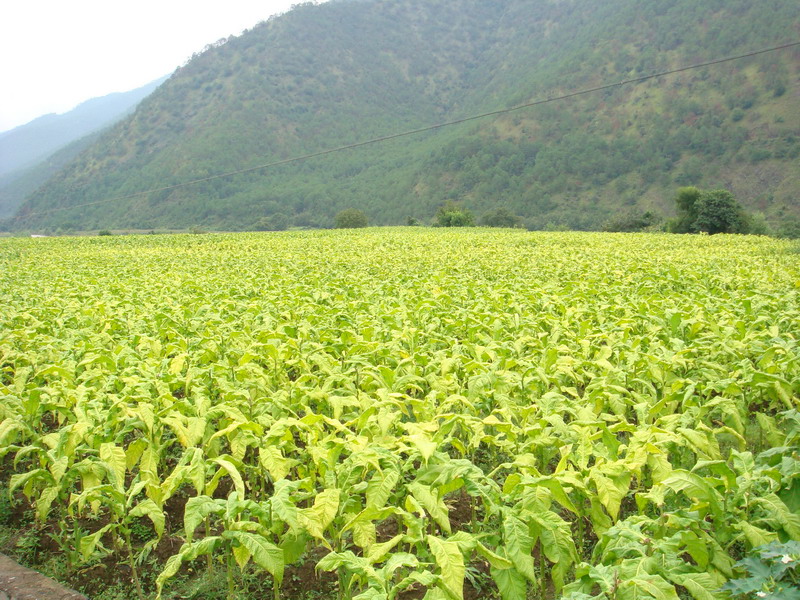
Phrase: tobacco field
(404, 413)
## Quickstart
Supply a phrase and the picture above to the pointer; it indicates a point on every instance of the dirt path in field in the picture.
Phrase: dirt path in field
(19, 583)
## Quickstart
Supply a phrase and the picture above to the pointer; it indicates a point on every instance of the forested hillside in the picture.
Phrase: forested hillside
(323, 76)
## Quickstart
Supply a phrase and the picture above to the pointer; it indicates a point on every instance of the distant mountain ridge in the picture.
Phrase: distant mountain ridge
(322, 76)
(31, 153)
(28, 144)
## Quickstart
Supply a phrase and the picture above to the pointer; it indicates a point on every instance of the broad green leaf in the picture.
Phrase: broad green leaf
(196, 510)
(518, 545)
(272, 459)
(778, 511)
(364, 534)
(88, 543)
(644, 585)
(756, 536)
(283, 506)
(695, 487)
(381, 486)
(44, 501)
(348, 560)
(264, 553)
(188, 552)
(423, 443)
(372, 594)
(430, 501)
(317, 518)
(377, 552)
(234, 474)
(451, 564)
(115, 461)
(242, 556)
(25, 479)
(610, 491)
(495, 560)
(511, 583)
(700, 585)
(148, 508)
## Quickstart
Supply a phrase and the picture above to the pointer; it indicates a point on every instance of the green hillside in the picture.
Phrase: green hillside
(325, 76)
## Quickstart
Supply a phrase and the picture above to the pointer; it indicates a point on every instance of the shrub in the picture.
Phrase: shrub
(790, 228)
(756, 224)
(351, 218)
(719, 212)
(453, 214)
(769, 572)
(276, 222)
(632, 221)
(708, 211)
(500, 217)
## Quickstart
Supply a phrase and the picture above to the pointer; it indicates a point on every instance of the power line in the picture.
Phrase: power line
(416, 131)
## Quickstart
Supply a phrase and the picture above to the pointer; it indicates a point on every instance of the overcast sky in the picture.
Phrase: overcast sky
(54, 54)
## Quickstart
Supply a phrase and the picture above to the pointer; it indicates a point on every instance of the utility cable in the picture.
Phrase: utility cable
(417, 131)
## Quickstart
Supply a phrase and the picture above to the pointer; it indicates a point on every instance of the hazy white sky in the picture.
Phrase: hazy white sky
(54, 54)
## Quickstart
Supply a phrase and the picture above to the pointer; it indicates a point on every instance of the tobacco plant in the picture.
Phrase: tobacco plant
(573, 414)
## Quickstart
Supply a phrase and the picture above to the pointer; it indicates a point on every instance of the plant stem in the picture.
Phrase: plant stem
(542, 580)
(473, 515)
(231, 586)
(209, 561)
(132, 564)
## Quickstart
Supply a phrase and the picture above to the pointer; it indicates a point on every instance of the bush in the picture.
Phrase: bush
(500, 217)
(276, 222)
(790, 229)
(453, 214)
(351, 218)
(104, 232)
(708, 211)
(632, 221)
(719, 212)
(769, 572)
(756, 224)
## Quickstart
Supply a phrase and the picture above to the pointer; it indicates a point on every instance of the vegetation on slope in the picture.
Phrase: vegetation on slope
(325, 76)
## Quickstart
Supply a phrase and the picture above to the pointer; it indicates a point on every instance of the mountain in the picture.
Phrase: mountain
(18, 185)
(330, 75)
(31, 153)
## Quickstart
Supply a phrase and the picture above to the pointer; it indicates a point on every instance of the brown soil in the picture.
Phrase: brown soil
(460, 509)
(108, 572)
(300, 579)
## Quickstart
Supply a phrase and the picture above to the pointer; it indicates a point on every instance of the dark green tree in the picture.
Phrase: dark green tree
(351, 218)
(453, 214)
(500, 217)
(275, 222)
(686, 201)
(790, 228)
(632, 221)
(719, 212)
(708, 211)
